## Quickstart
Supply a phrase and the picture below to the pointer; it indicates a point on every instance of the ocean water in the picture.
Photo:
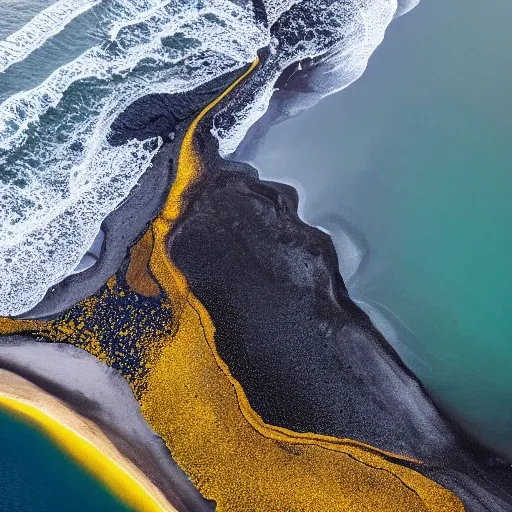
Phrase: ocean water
(36, 477)
(414, 162)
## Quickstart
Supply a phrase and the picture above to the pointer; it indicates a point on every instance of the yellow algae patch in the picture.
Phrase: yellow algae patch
(83, 440)
(246, 467)
(17, 326)
(137, 275)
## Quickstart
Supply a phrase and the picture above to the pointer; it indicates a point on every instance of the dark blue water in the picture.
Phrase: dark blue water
(36, 476)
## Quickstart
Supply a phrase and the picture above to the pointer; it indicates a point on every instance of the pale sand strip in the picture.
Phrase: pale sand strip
(83, 441)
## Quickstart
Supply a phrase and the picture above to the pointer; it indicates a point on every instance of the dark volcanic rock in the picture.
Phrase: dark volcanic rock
(308, 358)
(157, 115)
(285, 324)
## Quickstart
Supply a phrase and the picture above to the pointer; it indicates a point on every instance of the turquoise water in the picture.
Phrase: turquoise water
(416, 155)
(35, 476)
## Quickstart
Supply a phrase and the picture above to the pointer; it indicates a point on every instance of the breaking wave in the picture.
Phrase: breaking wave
(59, 175)
(45, 25)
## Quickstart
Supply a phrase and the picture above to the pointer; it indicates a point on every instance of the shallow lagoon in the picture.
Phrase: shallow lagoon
(36, 476)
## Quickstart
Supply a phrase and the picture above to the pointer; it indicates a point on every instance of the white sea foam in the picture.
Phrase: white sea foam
(346, 33)
(59, 176)
(275, 9)
(48, 23)
(404, 6)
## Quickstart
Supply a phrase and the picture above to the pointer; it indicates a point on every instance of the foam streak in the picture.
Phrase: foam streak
(42, 27)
